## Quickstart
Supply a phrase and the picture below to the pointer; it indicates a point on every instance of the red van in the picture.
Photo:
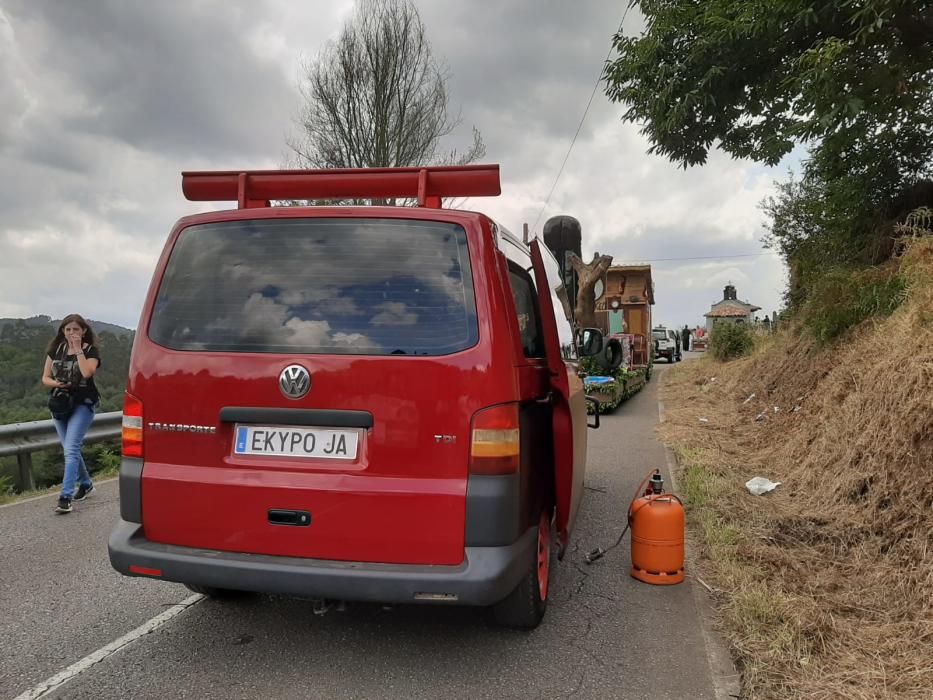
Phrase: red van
(372, 403)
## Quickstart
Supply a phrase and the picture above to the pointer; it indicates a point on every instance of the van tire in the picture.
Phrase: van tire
(211, 592)
(525, 606)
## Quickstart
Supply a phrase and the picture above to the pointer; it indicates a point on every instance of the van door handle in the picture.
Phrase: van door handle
(547, 399)
(298, 518)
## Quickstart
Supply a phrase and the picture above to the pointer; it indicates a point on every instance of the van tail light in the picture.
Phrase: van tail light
(132, 426)
(494, 448)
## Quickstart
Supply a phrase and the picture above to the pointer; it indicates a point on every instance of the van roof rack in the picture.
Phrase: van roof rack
(255, 188)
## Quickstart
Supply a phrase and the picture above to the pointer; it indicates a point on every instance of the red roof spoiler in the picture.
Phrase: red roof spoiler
(254, 188)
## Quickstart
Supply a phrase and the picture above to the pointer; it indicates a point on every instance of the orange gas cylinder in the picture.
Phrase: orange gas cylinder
(657, 522)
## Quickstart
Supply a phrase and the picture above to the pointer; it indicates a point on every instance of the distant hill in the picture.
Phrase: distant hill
(23, 398)
(22, 354)
(43, 321)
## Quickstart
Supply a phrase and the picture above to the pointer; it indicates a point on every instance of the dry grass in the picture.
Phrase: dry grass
(827, 581)
(10, 496)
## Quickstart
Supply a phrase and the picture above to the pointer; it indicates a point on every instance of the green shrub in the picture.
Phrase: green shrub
(47, 468)
(6, 488)
(107, 462)
(730, 340)
(842, 299)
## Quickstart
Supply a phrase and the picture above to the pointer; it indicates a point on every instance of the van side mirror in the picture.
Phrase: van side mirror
(591, 342)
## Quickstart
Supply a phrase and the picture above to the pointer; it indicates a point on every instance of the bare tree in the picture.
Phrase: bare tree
(377, 97)
(588, 274)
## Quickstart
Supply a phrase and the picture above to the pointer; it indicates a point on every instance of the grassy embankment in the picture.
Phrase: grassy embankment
(825, 585)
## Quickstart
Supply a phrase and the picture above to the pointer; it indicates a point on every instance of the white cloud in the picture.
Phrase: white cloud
(105, 104)
(394, 313)
(15, 95)
(311, 333)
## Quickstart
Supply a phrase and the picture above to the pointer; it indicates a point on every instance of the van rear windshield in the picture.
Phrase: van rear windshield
(319, 286)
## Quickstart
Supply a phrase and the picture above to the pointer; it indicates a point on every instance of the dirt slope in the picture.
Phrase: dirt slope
(826, 584)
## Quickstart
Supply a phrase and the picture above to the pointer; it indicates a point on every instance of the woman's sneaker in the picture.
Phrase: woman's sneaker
(64, 506)
(83, 492)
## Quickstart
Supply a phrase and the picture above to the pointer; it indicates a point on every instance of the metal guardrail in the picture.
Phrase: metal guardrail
(22, 439)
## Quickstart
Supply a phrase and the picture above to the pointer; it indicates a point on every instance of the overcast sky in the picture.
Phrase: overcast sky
(104, 102)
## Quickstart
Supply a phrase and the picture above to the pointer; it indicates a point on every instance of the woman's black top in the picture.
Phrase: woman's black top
(65, 369)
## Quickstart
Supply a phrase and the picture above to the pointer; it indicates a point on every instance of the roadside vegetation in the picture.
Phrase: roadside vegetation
(6, 489)
(825, 585)
(730, 340)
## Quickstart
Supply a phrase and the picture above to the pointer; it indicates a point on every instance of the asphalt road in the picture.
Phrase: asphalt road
(605, 635)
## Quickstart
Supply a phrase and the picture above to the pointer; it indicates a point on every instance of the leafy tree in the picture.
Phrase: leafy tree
(759, 75)
(377, 97)
(851, 79)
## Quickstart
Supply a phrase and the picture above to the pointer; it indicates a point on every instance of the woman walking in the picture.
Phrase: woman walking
(71, 362)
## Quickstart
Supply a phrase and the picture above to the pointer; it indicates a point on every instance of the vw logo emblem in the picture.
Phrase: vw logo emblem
(294, 381)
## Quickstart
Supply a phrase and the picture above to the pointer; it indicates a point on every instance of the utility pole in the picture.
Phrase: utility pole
(525, 233)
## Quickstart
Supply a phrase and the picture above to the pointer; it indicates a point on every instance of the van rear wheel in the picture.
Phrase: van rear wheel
(524, 607)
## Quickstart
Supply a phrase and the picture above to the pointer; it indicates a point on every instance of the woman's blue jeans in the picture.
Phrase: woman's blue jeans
(71, 432)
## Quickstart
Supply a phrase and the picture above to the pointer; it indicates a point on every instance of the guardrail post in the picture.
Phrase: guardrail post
(22, 439)
(26, 482)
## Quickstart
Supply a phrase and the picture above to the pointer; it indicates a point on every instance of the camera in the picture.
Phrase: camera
(61, 372)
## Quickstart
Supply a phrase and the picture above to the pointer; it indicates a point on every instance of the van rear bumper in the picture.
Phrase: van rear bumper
(486, 576)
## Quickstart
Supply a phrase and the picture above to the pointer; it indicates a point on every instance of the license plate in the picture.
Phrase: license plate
(281, 441)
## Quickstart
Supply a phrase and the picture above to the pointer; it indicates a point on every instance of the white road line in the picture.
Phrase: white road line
(672, 463)
(672, 466)
(726, 681)
(27, 500)
(59, 679)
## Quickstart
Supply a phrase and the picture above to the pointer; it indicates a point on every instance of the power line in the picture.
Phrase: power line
(580, 125)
